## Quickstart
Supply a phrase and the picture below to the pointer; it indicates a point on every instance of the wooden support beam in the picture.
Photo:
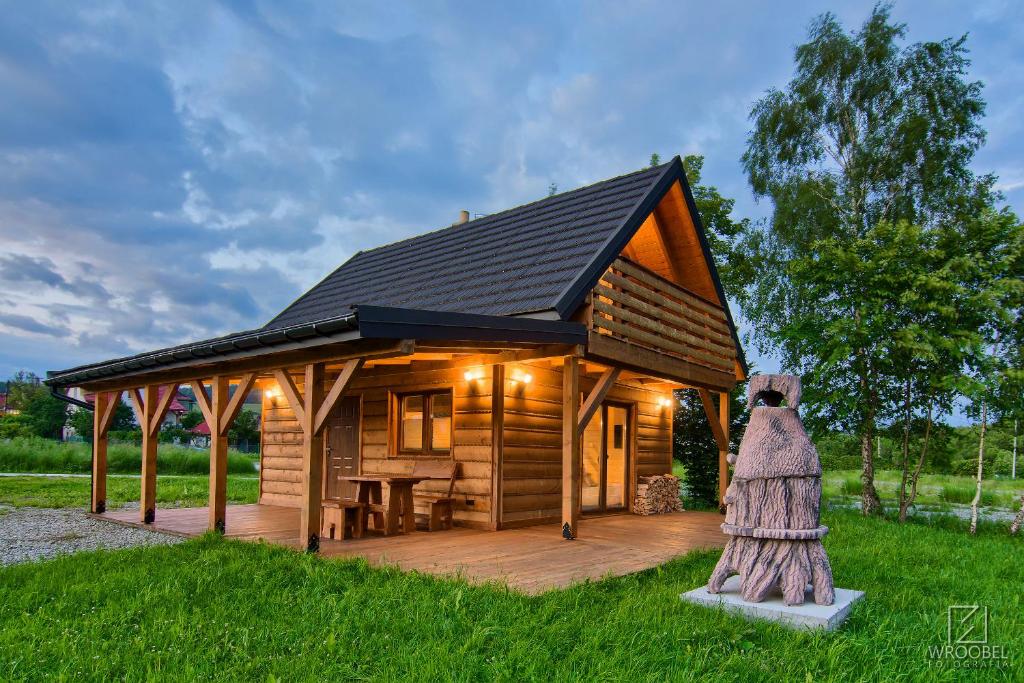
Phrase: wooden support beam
(113, 400)
(571, 457)
(291, 394)
(104, 410)
(219, 451)
(723, 453)
(497, 443)
(312, 457)
(596, 397)
(160, 412)
(721, 436)
(147, 501)
(138, 408)
(227, 415)
(337, 389)
(203, 401)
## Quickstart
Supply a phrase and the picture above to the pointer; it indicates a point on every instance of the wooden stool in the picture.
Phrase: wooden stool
(342, 519)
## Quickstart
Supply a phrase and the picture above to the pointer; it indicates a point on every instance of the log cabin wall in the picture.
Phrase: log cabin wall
(280, 453)
(532, 441)
(530, 430)
(281, 460)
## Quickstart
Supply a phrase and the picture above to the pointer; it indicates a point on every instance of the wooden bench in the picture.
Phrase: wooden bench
(441, 509)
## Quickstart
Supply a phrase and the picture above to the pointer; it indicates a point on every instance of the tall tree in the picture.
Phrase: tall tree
(42, 414)
(868, 134)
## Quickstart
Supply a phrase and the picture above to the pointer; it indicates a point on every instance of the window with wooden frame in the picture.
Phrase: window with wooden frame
(424, 422)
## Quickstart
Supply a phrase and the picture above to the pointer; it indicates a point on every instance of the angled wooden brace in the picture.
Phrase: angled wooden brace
(596, 397)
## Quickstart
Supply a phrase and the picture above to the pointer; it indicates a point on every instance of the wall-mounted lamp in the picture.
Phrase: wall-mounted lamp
(272, 394)
(473, 375)
(518, 376)
(664, 402)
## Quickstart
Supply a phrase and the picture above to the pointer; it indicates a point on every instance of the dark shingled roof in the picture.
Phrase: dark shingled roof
(517, 261)
(461, 282)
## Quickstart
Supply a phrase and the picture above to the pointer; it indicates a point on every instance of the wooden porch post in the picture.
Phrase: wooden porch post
(497, 444)
(150, 409)
(147, 503)
(312, 458)
(312, 406)
(719, 423)
(104, 408)
(220, 412)
(723, 449)
(571, 464)
(218, 454)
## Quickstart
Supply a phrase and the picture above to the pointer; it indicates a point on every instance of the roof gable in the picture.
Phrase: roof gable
(523, 260)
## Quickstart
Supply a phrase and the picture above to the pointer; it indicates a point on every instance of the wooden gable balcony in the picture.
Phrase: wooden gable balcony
(655, 325)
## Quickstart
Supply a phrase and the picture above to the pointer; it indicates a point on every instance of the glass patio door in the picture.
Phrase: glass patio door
(606, 459)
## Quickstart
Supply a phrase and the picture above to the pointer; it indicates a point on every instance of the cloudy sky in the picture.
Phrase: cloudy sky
(180, 170)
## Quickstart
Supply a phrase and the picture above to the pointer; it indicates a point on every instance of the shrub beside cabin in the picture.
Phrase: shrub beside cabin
(537, 348)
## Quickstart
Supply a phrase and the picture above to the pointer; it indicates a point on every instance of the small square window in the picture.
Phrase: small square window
(425, 423)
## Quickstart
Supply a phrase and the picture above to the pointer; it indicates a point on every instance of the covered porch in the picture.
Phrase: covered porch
(529, 560)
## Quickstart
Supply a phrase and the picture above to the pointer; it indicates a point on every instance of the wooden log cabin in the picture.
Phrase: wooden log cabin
(537, 348)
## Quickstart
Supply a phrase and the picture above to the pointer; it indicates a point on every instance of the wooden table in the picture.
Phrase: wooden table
(369, 491)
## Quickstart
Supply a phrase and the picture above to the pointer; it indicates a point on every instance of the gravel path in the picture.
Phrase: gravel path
(37, 533)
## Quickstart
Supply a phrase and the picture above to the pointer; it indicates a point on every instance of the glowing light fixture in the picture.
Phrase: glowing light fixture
(472, 375)
(518, 376)
(664, 402)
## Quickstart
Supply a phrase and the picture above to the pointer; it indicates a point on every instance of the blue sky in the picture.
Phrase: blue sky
(180, 170)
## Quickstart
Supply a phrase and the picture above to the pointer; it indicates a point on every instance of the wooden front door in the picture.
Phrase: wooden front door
(342, 448)
(605, 453)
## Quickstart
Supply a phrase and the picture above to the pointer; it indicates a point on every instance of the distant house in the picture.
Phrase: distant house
(533, 352)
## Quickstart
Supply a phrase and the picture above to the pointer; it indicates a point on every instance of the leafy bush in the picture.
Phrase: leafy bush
(13, 426)
(34, 454)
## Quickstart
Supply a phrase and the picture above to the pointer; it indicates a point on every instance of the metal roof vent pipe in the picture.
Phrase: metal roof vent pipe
(463, 217)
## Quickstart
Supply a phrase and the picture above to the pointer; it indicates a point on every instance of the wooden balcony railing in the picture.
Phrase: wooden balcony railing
(633, 305)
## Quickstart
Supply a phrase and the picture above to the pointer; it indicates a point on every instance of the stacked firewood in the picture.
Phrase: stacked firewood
(657, 495)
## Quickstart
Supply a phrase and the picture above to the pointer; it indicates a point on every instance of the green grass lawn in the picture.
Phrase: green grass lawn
(171, 491)
(228, 610)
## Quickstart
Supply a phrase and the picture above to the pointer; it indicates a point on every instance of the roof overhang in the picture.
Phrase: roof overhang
(341, 335)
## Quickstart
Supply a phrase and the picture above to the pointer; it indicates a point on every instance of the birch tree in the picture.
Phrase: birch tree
(869, 132)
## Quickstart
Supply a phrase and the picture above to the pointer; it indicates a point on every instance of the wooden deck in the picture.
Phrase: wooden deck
(530, 560)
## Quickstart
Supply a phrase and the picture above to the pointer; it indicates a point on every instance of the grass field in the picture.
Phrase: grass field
(934, 490)
(226, 610)
(46, 455)
(171, 491)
